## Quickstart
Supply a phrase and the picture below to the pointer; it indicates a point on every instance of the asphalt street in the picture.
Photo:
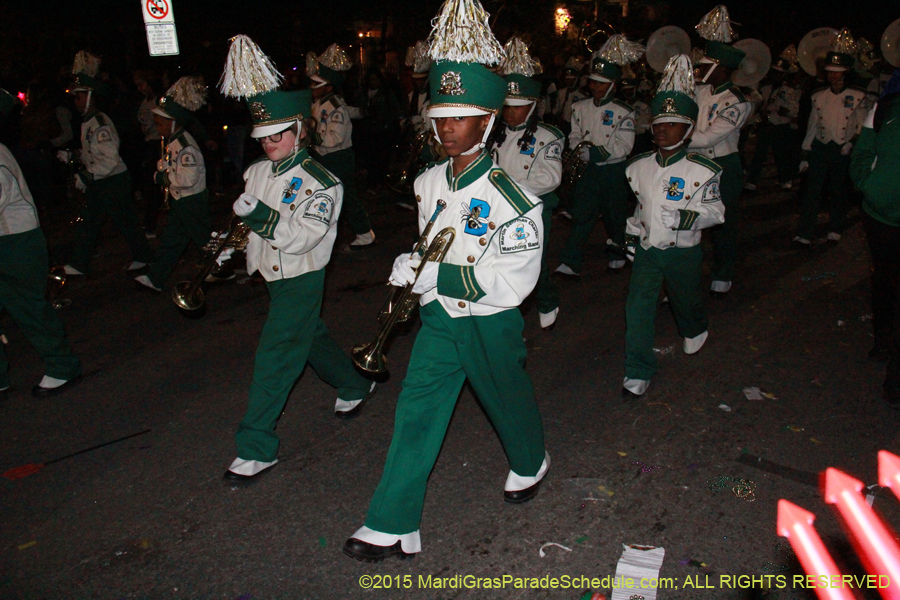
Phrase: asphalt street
(150, 517)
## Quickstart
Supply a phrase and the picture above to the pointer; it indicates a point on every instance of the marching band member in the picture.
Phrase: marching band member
(723, 111)
(471, 328)
(837, 115)
(332, 143)
(104, 177)
(24, 265)
(292, 204)
(778, 130)
(608, 125)
(184, 174)
(418, 98)
(678, 195)
(530, 152)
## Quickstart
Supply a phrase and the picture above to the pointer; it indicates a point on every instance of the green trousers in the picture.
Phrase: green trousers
(343, 164)
(825, 164)
(680, 269)
(23, 280)
(546, 292)
(601, 190)
(110, 196)
(784, 143)
(725, 236)
(489, 351)
(187, 220)
(293, 335)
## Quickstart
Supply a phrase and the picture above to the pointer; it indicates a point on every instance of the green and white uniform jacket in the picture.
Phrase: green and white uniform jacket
(537, 167)
(186, 173)
(18, 213)
(687, 182)
(723, 111)
(99, 148)
(609, 127)
(333, 127)
(295, 222)
(495, 260)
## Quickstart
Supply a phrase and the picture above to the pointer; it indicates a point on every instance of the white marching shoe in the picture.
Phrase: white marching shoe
(693, 345)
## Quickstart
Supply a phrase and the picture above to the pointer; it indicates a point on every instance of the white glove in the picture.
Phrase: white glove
(428, 277)
(585, 154)
(162, 165)
(245, 204)
(804, 166)
(63, 156)
(224, 256)
(846, 149)
(670, 217)
(79, 184)
(402, 273)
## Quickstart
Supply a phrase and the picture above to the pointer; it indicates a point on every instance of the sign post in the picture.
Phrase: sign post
(159, 20)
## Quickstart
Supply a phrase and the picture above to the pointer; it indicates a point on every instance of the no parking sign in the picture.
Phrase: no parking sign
(159, 20)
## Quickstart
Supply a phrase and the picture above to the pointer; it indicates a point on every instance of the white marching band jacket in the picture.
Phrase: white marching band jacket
(495, 260)
(609, 127)
(185, 173)
(18, 213)
(537, 166)
(99, 148)
(687, 182)
(333, 126)
(723, 111)
(836, 117)
(783, 99)
(295, 222)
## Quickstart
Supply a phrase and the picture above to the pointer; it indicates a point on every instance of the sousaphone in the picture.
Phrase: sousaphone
(664, 43)
(815, 45)
(755, 65)
(890, 43)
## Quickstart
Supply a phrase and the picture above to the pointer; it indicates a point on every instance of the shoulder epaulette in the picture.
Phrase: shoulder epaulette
(739, 95)
(556, 132)
(433, 163)
(180, 138)
(638, 157)
(858, 89)
(101, 121)
(512, 192)
(255, 162)
(706, 162)
(622, 104)
(319, 173)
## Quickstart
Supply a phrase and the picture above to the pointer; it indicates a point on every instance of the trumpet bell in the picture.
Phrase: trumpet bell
(368, 358)
(187, 299)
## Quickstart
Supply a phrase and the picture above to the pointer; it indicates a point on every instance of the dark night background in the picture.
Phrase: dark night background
(42, 38)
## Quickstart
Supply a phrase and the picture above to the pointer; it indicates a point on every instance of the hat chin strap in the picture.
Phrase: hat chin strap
(480, 145)
(681, 141)
(477, 147)
(87, 105)
(708, 73)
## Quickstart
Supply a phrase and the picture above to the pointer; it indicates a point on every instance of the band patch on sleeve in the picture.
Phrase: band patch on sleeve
(188, 160)
(711, 193)
(104, 136)
(337, 117)
(518, 236)
(730, 115)
(554, 151)
(320, 208)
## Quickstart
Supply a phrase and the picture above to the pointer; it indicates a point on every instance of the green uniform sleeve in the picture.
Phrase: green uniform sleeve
(863, 157)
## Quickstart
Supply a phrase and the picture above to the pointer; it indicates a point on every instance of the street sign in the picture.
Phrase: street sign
(159, 21)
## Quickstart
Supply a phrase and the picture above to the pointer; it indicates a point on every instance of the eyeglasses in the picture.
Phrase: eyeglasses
(274, 138)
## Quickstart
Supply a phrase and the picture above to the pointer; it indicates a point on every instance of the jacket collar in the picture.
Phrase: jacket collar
(470, 174)
(668, 162)
(290, 162)
(725, 86)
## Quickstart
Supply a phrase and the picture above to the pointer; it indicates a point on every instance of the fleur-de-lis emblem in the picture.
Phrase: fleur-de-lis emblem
(513, 88)
(669, 106)
(451, 84)
(258, 111)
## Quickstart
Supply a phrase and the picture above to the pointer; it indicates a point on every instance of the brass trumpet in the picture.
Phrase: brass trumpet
(188, 294)
(573, 166)
(401, 182)
(402, 301)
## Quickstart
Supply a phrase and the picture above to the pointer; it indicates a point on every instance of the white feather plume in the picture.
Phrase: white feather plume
(248, 71)
(678, 76)
(715, 26)
(620, 51)
(86, 64)
(189, 92)
(461, 33)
